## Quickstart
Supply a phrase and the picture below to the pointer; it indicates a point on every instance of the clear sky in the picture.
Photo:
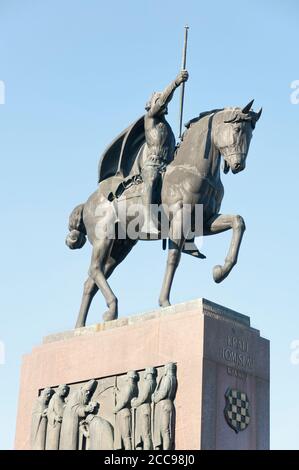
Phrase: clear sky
(76, 73)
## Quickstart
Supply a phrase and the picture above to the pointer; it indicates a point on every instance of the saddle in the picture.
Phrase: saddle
(189, 248)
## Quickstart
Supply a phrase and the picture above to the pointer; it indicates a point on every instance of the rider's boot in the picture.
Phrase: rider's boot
(190, 248)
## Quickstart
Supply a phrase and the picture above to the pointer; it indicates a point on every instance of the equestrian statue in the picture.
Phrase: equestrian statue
(143, 167)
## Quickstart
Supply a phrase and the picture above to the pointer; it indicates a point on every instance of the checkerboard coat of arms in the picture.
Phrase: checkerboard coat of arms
(236, 411)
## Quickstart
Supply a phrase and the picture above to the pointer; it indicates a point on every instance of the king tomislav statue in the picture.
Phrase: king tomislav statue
(131, 170)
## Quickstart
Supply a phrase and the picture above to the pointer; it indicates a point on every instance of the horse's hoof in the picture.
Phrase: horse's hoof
(218, 274)
(110, 315)
(164, 303)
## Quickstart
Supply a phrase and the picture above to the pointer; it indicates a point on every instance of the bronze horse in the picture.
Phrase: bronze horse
(193, 177)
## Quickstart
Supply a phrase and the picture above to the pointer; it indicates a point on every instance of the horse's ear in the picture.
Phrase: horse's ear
(248, 107)
(257, 115)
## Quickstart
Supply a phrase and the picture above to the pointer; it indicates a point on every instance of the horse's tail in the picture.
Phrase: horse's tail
(77, 236)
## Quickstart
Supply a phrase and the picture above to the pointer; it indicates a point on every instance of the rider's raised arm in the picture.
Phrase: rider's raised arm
(167, 94)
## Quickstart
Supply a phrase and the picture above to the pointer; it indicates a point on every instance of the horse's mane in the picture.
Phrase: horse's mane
(209, 113)
(202, 115)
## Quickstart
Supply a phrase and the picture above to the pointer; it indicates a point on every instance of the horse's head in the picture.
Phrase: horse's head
(232, 135)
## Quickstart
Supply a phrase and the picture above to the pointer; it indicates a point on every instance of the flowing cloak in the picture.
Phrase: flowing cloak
(120, 155)
(164, 408)
(100, 433)
(55, 411)
(38, 426)
(74, 410)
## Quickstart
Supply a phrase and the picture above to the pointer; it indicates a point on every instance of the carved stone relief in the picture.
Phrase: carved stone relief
(131, 411)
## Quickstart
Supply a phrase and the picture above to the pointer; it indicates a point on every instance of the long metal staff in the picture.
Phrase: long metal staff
(183, 84)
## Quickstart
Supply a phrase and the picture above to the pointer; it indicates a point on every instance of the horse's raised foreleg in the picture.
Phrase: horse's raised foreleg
(221, 223)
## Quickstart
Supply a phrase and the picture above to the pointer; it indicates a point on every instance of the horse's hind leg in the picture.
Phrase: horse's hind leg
(121, 248)
(89, 291)
(100, 253)
(119, 251)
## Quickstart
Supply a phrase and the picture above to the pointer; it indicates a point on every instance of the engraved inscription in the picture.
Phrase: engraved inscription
(236, 354)
(240, 374)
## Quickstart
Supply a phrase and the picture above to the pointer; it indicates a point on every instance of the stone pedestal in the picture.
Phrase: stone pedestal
(222, 398)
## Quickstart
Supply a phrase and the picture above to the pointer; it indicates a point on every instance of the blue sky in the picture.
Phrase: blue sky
(76, 73)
